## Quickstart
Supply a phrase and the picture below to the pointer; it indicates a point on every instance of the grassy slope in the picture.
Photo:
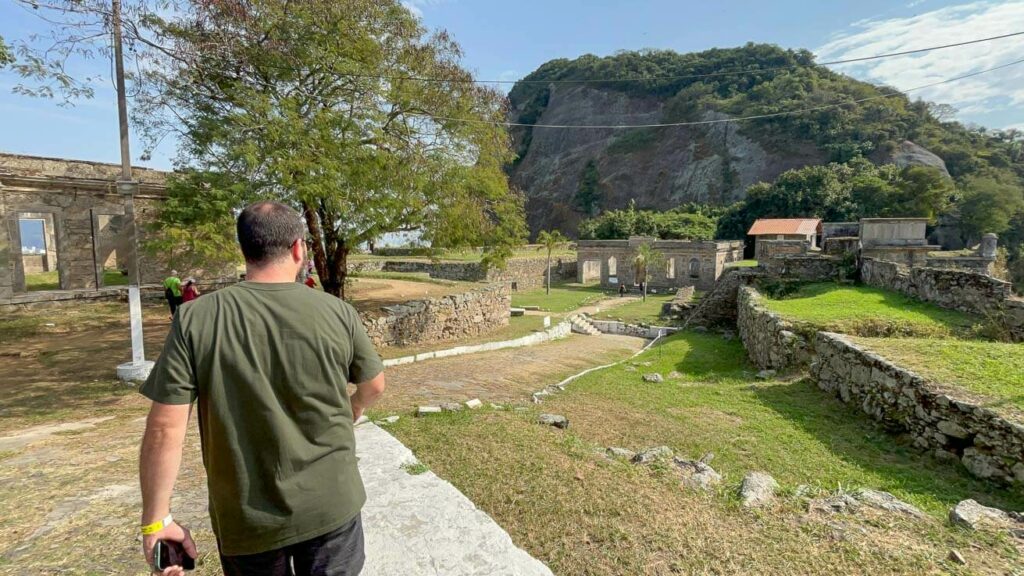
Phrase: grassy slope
(638, 312)
(994, 370)
(584, 515)
(869, 311)
(563, 298)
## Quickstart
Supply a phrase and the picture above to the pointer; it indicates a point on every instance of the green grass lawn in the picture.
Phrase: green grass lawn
(51, 280)
(994, 370)
(867, 311)
(638, 311)
(518, 326)
(564, 297)
(742, 264)
(583, 514)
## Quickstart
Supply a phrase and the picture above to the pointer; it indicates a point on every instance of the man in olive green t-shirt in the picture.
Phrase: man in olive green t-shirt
(267, 361)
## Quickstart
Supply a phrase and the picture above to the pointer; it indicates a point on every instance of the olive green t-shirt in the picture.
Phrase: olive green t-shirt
(269, 364)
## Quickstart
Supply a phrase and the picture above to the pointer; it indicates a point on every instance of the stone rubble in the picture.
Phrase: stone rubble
(474, 403)
(451, 407)
(696, 474)
(971, 514)
(649, 455)
(389, 420)
(424, 410)
(888, 502)
(653, 377)
(757, 489)
(554, 420)
(616, 452)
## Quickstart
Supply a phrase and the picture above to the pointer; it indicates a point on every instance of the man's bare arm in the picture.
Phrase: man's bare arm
(366, 394)
(159, 460)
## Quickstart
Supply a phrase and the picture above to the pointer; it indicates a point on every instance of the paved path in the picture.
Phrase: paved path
(421, 525)
(507, 375)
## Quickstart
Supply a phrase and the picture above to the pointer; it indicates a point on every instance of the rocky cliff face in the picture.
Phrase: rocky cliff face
(658, 167)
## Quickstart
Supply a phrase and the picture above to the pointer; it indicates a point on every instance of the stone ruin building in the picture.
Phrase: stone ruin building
(74, 210)
(687, 263)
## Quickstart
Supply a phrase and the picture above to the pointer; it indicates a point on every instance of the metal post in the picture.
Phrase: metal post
(138, 368)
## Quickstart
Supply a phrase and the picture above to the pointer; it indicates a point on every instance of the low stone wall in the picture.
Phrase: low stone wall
(807, 268)
(988, 445)
(450, 317)
(624, 329)
(841, 245)
(524, 273)
(719, 305)
(770, 341)
(560, 330)
(955, 289)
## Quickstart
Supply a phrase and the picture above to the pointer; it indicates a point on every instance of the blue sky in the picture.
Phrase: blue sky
(508, 40)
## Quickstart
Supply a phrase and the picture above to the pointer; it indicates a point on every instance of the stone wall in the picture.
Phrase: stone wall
(86, 221)
(524, 273)
(770, 341)
(773, 248)
(451, 317)
(988, 445)
(808, 268)
(687, 263)
(720, 304)
(955, 289)
(841, 245)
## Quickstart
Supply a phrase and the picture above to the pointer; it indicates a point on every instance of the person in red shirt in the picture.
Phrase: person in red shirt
(189, 292)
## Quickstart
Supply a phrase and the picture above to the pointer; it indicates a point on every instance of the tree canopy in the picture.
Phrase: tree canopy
(311, 103)
(679, 224)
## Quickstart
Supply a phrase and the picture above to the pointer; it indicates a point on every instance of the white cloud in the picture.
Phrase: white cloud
(994, 92)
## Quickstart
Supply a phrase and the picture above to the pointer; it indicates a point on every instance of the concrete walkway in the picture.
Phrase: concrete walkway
(421, 525)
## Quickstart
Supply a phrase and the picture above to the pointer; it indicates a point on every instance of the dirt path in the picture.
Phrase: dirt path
(501, 376)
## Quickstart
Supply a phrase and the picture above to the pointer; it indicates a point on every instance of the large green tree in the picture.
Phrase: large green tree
(988, 205)
(317, 104)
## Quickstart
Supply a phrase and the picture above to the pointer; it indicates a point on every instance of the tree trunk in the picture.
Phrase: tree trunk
(548, 291)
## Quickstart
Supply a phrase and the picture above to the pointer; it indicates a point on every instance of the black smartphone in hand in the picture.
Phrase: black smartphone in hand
(168, 553)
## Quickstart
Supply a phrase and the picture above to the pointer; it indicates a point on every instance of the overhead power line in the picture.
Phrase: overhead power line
(688, 76)
(727, 120)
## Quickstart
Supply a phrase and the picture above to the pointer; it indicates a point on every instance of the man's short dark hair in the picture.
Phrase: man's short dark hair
(267, 230)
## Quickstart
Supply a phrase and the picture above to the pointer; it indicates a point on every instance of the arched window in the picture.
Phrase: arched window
(695, 268)
(670, 269)
(612, 266)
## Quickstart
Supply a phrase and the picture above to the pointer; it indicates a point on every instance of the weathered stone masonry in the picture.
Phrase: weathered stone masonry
(450, 317)
(771, 342)
(988, 445)
(84, 218)
(524, 273)
(955, 289)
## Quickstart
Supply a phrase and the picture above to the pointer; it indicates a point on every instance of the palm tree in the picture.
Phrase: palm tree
(550, 240)
(645, 259)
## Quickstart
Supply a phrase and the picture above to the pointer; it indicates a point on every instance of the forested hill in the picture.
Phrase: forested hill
(569, 175)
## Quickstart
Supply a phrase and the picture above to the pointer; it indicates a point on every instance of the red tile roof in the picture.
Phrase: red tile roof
(804, 226)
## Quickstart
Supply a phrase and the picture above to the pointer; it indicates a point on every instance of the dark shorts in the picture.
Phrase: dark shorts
(338, 553)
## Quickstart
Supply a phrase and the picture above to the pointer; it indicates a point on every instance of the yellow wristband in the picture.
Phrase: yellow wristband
(157, 526)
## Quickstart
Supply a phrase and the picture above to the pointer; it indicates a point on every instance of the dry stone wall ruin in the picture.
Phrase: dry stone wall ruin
(445, 318)
(84, 223)
(523, 273)
(987, 444)
(961, 290)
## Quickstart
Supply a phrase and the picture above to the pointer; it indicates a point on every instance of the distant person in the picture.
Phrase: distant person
(622, 290)
(190, 292)
(172, 291)
(268, 363)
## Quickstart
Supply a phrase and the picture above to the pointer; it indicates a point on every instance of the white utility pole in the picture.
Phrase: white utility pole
(138, 369)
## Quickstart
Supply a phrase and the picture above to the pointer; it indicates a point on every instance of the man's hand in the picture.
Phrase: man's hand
(172, 533)
(366, 394)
